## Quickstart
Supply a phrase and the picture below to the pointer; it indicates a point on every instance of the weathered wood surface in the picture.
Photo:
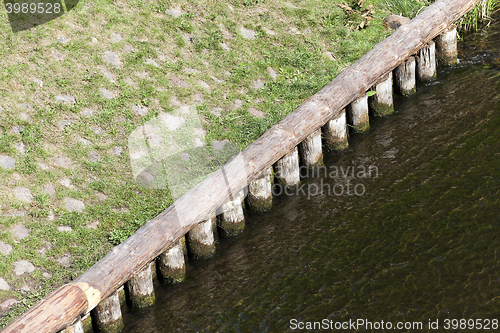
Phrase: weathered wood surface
(335, 132)
(358, 115)
(311, 151)
(200, 240)
(140, 289)
(382, 102)
(287, 169)
(118, 266)
(426, 62)
(446, 46)
(107, 316)
(172, 265)
(260, 195)
(404, 77)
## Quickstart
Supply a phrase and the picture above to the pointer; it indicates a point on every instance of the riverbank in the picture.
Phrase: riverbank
(79, 86)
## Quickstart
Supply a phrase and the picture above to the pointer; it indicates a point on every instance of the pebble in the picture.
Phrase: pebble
(140, 110)
(107, 75)
(93, 225)
(63, 162)
(21, 147)
(58, 55)
(99, 131)
(258, 84)
(24, 116)
(23, 266)
(268, 31)
(128, 49)
(64, 261)
(329, 55)
(94, 156)
(218, 145)
(175, 12)
(66, 182)
(272, 73)
(23, 194)
(7, 304)
(112, 58)
(19, 231)
(68, 99)
(116, 37)
(49, 189)
(64, 229)
(38, 81)
(177, 82)
(7, 162)
(101, 196)
(151, 62)
(46, 275)
(74, 205)
(62, 39)
(65, 123)
(83, 141)
(106, 94)
(198, 99)
(257, 113)
(225, 47)
(4, 285)
(216, 112)
(5, 248)
(247, 33)
(117, 151)
(238, 103)
(87, 112)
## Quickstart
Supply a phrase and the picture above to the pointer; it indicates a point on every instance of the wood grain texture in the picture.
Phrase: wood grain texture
(118, 266)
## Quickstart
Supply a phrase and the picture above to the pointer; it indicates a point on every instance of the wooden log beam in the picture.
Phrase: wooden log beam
(118, 266)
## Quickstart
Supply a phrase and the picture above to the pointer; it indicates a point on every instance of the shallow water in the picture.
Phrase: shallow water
(421, 243)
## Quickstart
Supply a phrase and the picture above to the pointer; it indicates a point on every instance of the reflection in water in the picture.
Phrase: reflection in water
(420, 245)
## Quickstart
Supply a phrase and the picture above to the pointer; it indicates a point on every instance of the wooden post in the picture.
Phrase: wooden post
(87, 323)
(200, 240)
(310, 149)
(358, 114)
(107, 316)
(446, 46)
(231, 220)
(172, 265)
(404, 77)
(335, 132)
(382, 103)
(75, 328)
(426, 62)
(287, 170)
(140, 288)
(260, 194)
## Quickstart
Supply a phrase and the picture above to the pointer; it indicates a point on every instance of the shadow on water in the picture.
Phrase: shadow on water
(420, 244)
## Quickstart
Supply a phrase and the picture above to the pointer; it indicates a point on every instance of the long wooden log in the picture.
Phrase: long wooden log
(118, 266)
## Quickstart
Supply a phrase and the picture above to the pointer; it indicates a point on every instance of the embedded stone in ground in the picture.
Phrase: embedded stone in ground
(107, 75)
(63, 162)
(67, 99)
(46, 275)
(43, 166)
(23, 194)
(268, 31)
(272, 73)
(101, 196)
(117, 150)
(106, 94)
(3, 285)
(94, 156)
(37, 81)
(216, 79)
(329, 55)
(49, 189)
(20, 231)
(258, 84)
(7, 162)
(87, 112)
(65, 123)
(225, 47)
(140, 110)
(94, 40)
(58, 55)
(21, 147)
(99, 131)
(93, 225)
(198, 99)
(116, 37)
(83, 141)
(175, 12)
(66, 182)
(218, 145)
(64, 229)
(62, 39)
(23, 266)
(238, 103)
(177, 82)
(204, 85)
(190, 70)
(7, 304)
(17, 129)
(112, 58)
(64, 261)
(5, 248)
(216, 112)
(23, 115)
(128, 49)
(74, 205)
(257, 113)
(247, 33)
(151, 62)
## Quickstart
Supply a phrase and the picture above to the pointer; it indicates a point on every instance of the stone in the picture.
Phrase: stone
(86, 112)
(238, 103)
(142, 75)
(94, 156)
(23, 194)
(19, 231)
(140, 110)
(117, 151)
(128, 49)
(329, 55)
(149, 61)
(46, 275)
(107, 75)
(63, 162)
(190, 70)
(257, 113)
(112, 58)
(49, 189)
(268, 31)
(66, 99)
(66, 182)
(247, 33)
(101, 196)
(175, 12)
(225, 47)
(258, 84)
(74, 205)
(106, 94)
(216, 79)
(23, 115)
(65, 123)
(5, 248)
(43, 166)
(17, 129)
(99, 131)
(38, 81)
(64, 229)
(62, 39)
(4, 285)
(116, 37)
(83, 141)
(21, 147)
(7, 162)
(395, 21)
(7, 304)
(93, 225)
(58, 55)
(272, 73)
(204, 85)
(177, 82)
(198, 99)
(93, 40)
(64, 261)
(218, 145)
(216, 112)
(22, 267)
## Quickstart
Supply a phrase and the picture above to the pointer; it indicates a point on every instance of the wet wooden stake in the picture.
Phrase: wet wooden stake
(287, 170)
(107, 316)
(310, 149)
(140, 288)
(231, 220)
(404, 77)
(357, 113)
(260, 195)
(446, 46)
(335, 133)
(172, 265)
(200, 240)
(382, 103)
(75, 328)
(426, 62)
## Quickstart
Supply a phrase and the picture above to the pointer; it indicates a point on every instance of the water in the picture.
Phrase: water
(421, 244)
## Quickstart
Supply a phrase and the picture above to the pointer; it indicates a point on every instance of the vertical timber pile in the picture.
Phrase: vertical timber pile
(287, 169)
(231, 220)
(172, 265)
(382, 102)
(140, 288)
(446, 46)
(358, 114)
(310, 149)
(335, 132)
(200, 240)
(404, 77)
(260, 194)
(426, 62)
(107, 316)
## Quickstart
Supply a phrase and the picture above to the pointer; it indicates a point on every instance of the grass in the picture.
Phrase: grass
(199, 59)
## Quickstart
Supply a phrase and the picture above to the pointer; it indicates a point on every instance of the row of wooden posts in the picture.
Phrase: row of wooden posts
(229, 219)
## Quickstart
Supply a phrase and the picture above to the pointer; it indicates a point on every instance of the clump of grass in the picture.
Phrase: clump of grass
(406, 8)
(479, 16)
